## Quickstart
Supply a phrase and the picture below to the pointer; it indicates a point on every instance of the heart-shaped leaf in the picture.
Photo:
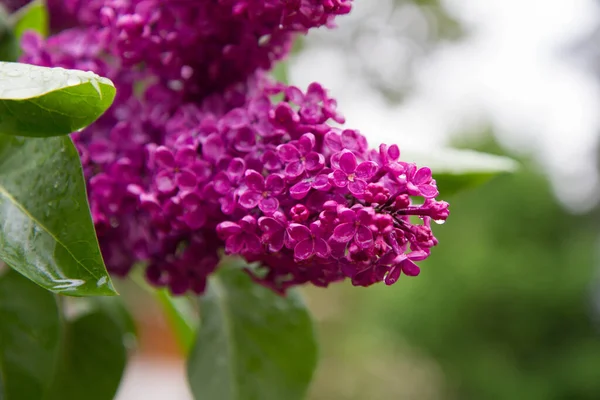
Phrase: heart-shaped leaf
(46, 230)
(252, 343)
(30, 331)
(41, 102)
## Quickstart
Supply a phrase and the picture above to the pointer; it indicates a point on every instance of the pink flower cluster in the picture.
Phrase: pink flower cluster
(209, 160)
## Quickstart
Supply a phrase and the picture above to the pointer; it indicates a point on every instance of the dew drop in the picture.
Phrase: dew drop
(439, 221)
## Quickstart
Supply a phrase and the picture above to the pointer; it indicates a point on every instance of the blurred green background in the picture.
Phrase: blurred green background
(502, 310)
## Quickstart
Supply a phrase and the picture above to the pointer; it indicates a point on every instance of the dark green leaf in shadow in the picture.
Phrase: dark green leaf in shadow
(46, 230)
(30, 330)
(93, 359)
(9, 46)
(252, 344)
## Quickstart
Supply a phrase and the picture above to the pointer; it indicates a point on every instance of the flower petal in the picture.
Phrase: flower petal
(294, 169)
(164, 157)
(268, 205)
(304, 249)
(321, 182)
(357, 187)
(422, 176)
(275, 184)
(347, 162)
(344, 232)
(314, 161)
(428, 191)
(250, 199)
(393, 276)
(366, 170)
(298, 232)
(300, 189)
(165, 182)
(339, 178)
(321, 248)
(364, 237)
(288, 152)
(410, 268)
(186, 179)
(254, 180)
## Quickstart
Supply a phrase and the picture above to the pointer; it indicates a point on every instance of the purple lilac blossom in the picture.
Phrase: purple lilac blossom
(173, 177)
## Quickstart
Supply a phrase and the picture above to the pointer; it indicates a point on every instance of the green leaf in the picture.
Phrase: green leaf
(94, 358)
(181, 317)
(455, 170)
(30, 330)
(9, 46)
(179, 311)
(33, 16)
(41, 102)
(252, 343)
(47, 232)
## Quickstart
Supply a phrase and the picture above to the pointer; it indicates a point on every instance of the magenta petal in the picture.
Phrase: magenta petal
(422, 176)
(186, 156)
(364, 237)
(236, 168)
(339, 178)
(321, 182)
(366, 170)
(255, 181)
(357, 187)
(300, 190)
(333, 141)
(250, 199)
(221, 183)
(298, 232)
(344, 232)
(186, 179)
(321, 248)
(348, 162)
(393, 276)
(306, 143)
(164, 157)
(294, 169)
(418, 255)
(394, 152)
(314, 161)
(276, 242)
(268, 205)
(275, 184)
(234, 244)
(165, 182)
(269, 225)
(288, 152)
(428, 191)
(304, 249)
(195, 219)
(410, 268)
(228, 228)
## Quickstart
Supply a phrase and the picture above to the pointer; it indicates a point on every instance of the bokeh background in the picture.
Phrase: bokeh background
(508, 306)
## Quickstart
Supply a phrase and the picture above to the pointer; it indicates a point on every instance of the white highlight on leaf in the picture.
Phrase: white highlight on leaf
(457, 161)
(22, 81)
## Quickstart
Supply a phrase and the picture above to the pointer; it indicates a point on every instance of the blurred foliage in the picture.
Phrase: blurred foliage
(383, 41)
(503, 306)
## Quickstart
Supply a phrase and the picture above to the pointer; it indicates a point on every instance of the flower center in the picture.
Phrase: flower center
(351, 177)
(265, 194)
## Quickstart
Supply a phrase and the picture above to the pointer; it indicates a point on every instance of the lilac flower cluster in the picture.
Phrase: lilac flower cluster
(175, 176)
(206, 45)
